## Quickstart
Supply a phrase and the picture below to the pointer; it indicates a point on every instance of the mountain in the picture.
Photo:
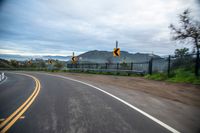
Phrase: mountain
(94, 56)
(23, 58)
(105, 56)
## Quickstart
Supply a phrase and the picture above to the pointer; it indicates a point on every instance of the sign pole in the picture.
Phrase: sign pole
(116, 44)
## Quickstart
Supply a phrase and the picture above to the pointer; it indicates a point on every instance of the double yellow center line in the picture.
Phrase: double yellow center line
(8, 122)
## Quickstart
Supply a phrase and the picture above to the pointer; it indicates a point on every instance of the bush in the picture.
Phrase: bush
(157, 76)
(182, 75)
(179, 76)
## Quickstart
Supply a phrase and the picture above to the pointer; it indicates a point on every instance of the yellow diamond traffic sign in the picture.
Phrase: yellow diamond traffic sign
(29, 62)
(50, 61)
(116, 52)
(74, 59)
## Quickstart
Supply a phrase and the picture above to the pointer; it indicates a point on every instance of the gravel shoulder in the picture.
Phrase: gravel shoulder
(178, 105)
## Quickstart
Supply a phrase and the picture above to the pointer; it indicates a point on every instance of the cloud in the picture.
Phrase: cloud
(60, 27)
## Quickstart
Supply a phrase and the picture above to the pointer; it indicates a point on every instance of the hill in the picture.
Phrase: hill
(94, 56)
(105, 56)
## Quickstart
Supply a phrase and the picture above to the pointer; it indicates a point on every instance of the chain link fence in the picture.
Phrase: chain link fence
(154, 65)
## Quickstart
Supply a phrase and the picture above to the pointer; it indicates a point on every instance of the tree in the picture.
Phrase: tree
(4, 64)
(14, 63)
(183, 59)
(181, 52)
(189, 29)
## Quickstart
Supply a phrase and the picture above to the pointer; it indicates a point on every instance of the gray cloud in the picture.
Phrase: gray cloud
(60, 27)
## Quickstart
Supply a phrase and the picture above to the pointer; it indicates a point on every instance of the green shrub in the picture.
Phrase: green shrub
(157, 76)
(182, 75)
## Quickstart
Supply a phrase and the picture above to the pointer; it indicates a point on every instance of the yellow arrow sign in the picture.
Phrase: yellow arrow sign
(29, 62)
(116, 52)
(74, 59)
(50, 61)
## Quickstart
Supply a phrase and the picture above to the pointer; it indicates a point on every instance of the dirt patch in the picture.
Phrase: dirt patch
(183, 93)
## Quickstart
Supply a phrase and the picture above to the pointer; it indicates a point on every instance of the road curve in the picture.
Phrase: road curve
(71, 107)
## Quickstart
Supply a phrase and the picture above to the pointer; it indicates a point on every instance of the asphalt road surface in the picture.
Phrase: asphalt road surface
(65, 106)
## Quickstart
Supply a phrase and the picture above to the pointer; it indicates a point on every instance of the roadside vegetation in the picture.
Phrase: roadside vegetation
(184, 68)
(178, 76)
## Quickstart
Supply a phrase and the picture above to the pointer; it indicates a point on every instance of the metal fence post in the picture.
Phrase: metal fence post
(169, 62)
(131, 65)
(150, 66)
(117, 66)
(197, 64)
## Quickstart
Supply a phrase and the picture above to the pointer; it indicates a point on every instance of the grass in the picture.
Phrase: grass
(178, 76)
(157, 76)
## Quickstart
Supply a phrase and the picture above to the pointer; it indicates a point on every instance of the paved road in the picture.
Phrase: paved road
(65, 106)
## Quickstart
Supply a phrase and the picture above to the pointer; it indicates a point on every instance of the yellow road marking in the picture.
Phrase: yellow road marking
(19, 112)
(14, 113)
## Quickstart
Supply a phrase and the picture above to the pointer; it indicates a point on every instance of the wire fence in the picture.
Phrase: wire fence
(140, 67)
(154, 65)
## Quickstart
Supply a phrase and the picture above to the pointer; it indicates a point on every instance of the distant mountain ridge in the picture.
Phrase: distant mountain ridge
(22, 57)
(94, 56)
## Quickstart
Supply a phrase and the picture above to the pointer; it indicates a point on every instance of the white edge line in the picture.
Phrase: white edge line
(3, 80)
(128, 104)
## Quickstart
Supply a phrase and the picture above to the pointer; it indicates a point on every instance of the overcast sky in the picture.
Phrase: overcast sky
(58, 27)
